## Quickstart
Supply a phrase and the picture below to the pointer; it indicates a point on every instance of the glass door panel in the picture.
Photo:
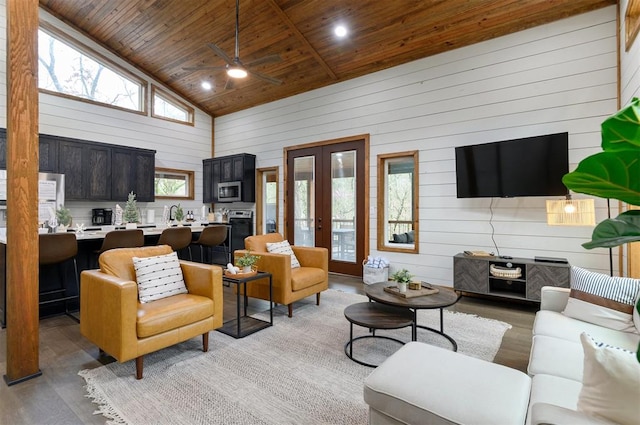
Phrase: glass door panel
(304, 200)
(343, 206)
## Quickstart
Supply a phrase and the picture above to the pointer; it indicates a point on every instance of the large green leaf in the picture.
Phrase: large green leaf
(621, 131)
(613, 175)
(616, 231)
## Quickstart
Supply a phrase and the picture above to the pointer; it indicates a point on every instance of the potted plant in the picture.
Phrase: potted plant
(63, 216)
(179, 215)
(130, 214)
(247, 261)
(614, 174)
(402, 278)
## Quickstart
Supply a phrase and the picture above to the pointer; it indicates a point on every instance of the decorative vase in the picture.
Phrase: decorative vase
(402, 286)
(131, 226)
(247, 269)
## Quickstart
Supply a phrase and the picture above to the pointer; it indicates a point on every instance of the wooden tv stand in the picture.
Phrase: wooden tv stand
(471, 274)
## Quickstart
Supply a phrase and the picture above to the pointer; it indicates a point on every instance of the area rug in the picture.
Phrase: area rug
(295, 372)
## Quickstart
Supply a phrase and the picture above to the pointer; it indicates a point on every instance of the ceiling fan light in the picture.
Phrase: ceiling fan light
(236, 72)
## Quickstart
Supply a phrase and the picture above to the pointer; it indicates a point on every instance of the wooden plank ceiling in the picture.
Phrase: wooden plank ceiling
(162, 37)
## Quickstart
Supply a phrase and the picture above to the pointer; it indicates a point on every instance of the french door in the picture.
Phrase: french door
(326, 202)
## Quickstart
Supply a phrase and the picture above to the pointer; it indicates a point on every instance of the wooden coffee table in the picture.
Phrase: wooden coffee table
(444, 298)
(376, 316)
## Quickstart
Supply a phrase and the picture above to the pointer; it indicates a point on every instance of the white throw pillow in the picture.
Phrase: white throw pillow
(158, 277)
(610, 382)
(283, 248)
(603, 300)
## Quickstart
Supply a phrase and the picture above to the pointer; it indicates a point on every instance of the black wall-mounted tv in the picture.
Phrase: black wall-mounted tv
(532, 166)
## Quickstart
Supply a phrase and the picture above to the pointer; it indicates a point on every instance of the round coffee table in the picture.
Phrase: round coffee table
(376, 316)
(444, 298)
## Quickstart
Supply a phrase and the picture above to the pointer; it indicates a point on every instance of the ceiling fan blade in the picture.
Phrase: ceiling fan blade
(218, 51)
(267, 59)
(203, 68)
(265, 77)
(230, 84)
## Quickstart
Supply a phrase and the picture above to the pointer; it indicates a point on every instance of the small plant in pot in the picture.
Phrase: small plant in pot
(402, 277)
(63, 215)
(247, 261)
(179, 215)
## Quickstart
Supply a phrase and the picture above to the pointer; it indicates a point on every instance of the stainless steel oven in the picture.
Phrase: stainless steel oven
(241, 222)
(230, 192)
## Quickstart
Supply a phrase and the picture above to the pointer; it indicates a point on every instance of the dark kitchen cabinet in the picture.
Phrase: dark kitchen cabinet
(233, 168)
(133, 171)
(48, 152)
(87, 170)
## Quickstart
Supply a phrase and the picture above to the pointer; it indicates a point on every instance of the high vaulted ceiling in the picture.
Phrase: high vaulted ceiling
(162, 37)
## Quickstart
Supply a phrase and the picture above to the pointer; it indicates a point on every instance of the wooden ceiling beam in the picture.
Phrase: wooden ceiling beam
(302, 39)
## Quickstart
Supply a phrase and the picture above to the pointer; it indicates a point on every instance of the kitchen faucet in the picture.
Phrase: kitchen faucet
(171, 214)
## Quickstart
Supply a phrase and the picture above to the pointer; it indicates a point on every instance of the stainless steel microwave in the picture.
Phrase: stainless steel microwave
(230, 192)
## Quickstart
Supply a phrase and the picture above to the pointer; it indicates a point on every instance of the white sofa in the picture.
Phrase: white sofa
(425, 384)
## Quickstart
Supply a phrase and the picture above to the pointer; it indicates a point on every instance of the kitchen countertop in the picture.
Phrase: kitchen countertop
(96, 232)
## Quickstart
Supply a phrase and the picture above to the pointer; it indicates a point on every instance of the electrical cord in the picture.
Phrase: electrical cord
(493, 230)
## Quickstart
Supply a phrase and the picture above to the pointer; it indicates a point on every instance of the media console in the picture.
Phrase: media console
(496, 276)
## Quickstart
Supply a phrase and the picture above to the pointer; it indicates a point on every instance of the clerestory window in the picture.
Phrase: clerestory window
(168, 107)
(68, 68)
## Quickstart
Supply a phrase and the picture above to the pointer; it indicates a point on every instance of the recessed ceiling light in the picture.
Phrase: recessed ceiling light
(206, 85)
(340, 31)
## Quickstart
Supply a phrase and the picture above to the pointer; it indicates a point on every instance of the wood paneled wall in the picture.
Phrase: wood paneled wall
(554, 78)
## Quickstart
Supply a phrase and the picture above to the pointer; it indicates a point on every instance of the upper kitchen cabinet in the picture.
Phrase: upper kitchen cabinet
(226, 169)
(133, 171)
(87, 170)
(48, 155)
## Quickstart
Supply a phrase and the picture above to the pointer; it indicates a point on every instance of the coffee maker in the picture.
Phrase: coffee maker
(101, 216)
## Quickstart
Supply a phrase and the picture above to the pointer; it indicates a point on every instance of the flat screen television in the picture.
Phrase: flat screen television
(532, 166)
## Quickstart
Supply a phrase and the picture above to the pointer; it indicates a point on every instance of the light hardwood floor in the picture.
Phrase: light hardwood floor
(58, 396)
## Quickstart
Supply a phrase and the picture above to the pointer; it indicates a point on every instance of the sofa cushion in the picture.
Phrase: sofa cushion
(172, 313)
(554, 390)
(611, 382)
(557, 357)
(557, 325)
(158, 277)
(283, 248)
(304, 277)
(603, 300)
(421, 383)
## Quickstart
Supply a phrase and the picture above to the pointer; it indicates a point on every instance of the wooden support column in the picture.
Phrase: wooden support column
(22, 191)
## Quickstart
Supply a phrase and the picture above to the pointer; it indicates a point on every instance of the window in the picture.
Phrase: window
(167, 107)
(267, 200)
(631, 22)
(398, 200)
(173, 184)
(70, 69)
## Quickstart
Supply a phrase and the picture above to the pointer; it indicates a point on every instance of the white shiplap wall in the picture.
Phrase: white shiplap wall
(554, 78)
(178, 146)
(629, 63)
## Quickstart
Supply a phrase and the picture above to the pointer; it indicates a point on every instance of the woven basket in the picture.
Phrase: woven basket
(498, 271)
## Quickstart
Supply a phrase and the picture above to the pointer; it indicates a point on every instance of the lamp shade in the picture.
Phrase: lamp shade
(571, 212)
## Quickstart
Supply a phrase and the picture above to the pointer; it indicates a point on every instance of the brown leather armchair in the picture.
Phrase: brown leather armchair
(289, 285)
(112, 317)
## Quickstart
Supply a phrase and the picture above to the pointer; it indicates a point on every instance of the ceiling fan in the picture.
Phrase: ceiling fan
(235, 68)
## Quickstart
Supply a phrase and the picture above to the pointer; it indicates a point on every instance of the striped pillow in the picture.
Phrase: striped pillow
(603, 300)
(158, 277)
(283, 248)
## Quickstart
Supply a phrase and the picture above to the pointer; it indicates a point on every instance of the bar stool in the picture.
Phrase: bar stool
(177, 238)
(213, 236)
(54, 250)
(130, 238)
